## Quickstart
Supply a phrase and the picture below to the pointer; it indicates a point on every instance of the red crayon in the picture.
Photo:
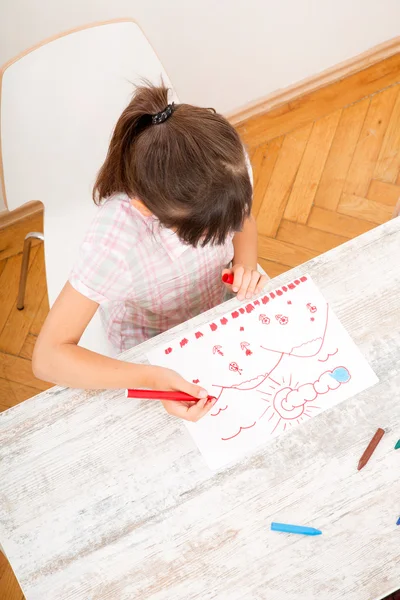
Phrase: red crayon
(155, 395)
(227, 278)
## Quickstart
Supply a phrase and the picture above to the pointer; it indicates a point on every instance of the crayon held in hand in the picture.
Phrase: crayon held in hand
(295, 529)
(227, 278)
(156, 395)
(370, 449)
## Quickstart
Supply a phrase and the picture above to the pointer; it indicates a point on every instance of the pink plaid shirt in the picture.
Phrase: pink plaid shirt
(144, 278)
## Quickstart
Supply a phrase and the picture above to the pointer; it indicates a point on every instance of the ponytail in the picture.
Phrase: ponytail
(116, 173)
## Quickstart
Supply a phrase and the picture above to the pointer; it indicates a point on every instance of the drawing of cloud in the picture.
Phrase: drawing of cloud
(341, 374)
(305, 393)
(326, 383)
(290, 404)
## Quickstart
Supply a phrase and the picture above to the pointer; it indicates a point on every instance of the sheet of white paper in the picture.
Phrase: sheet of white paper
(274, 363)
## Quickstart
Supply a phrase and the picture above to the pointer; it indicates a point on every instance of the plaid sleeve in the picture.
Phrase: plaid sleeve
(101, 272)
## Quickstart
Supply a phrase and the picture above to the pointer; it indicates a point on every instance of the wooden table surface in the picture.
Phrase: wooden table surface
(104, 498)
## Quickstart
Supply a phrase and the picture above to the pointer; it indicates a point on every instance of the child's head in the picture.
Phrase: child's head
(189, 170)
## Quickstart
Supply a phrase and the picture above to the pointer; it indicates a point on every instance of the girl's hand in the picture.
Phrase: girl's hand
(166, 379)
(247, 282)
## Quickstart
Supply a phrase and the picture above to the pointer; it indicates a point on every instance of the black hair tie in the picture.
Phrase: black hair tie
(163, 115)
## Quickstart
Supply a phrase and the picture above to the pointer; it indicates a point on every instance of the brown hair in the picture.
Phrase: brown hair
(190, 170)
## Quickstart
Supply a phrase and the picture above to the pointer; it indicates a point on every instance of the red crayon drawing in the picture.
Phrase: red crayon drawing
(245, 346)
(218, 411)
(282, 319)
(328, 356)
(235, 368)
(236, 434)
(282, 378)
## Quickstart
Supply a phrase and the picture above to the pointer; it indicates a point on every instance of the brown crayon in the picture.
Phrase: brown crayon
(370, 448)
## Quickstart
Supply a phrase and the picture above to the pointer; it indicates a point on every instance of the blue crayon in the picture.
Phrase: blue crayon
(295, 529)
(398, 521)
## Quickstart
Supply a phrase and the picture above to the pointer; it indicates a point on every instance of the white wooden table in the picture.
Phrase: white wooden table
(104, 498)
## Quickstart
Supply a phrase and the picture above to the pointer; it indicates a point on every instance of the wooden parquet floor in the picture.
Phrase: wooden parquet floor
(326, 169)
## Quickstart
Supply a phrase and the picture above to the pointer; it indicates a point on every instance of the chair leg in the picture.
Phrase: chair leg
(25, 264)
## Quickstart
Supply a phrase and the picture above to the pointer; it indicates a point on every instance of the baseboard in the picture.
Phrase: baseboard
(311, 84)
(29, 209)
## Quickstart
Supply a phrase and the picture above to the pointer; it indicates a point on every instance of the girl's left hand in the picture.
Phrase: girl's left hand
(247, 282)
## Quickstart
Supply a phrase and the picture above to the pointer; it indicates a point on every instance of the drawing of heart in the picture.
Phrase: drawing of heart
(291, 403)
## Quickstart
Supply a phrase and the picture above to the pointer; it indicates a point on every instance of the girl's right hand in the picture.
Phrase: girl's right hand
(167, 379)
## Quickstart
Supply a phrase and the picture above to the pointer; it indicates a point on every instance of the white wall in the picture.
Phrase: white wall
(221, 53)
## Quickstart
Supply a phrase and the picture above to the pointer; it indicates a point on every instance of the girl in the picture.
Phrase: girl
(175, 198)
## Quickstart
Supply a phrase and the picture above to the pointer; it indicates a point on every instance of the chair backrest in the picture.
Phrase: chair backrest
(59, 103)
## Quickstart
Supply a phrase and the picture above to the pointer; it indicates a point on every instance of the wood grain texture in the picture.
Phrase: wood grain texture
(309, 107)
(341, 153)
(273, 269)
(104, 497)
(18, 323)
(278, 251)
(277, 193)
(9, 282)
(19, 370)
(388, 163)
(369, 144)
(41, 315)
(28, 346)
(310, 170)
(354, 206)
(12, 235)
(326, 78)
(8, 583)
(308, 237)
(385, 193)
(333, 222)
(264, 160)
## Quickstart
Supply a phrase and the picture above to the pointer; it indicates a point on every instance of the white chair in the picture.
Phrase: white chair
(59, 103)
